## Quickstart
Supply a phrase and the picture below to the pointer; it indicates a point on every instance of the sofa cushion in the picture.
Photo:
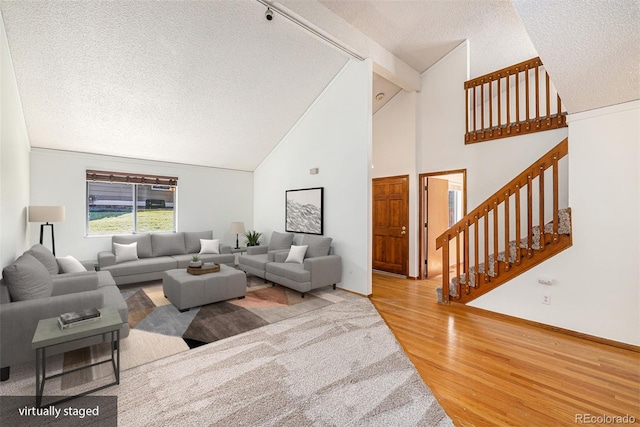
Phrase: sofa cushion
(167, 244)
(142, 266)
(45, 256)
(280, 241)
(291, 271)
(256, 261)
(27, 278)
(69, 264)
(296, 254)
(209, 246)
(143, 240)
(125, 252)
(318, 245)
(192, 240)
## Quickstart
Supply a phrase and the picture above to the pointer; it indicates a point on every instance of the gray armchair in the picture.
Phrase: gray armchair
(21, 309)
(257, 257)
(319, 268)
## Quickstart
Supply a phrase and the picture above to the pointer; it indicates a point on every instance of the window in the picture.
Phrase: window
(119, 203)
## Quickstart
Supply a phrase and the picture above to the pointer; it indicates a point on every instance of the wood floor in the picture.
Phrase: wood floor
(487, 370)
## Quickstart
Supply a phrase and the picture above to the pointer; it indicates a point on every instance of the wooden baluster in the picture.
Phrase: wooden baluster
(518, 229)
(495, 238)
(508, 104)
(474, 110)
(445, 271)
(555, 198)
(518, 99)
(482, 107)
(475, 249)
(548, 115)
(490, 102)
(486, 245)
(560, 117)
(499, 96)
(458, 262)
(541, 182)
(466, 256)
(529, 216)
(507, 263)
(526, 82)
(537, 97)
(466, 110)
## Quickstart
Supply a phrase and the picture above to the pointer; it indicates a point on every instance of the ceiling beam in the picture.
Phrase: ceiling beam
(336, 31)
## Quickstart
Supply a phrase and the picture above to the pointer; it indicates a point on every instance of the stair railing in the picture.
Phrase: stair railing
(487, 214)
(494, 99)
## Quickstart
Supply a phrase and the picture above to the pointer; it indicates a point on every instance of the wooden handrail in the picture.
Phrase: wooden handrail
(483, 131)
(460, 230)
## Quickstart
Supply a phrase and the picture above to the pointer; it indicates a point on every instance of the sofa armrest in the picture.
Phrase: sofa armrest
(18, 320)
(74, 283)
(257, 250)
(225, 249)
(325, 270)
(106, 259)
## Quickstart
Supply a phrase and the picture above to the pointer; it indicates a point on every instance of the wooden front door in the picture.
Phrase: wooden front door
(437, 221)
(391, 224)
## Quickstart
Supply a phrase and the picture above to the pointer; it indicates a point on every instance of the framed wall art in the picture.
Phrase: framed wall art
(304, 210)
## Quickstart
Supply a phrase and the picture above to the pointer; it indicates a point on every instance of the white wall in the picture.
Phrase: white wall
(208, 198)
(334, 135)
(596, 286)
(14, 161)
(394, 153)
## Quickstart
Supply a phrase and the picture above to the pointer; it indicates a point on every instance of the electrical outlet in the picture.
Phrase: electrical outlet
(546, 299)
(545, 280)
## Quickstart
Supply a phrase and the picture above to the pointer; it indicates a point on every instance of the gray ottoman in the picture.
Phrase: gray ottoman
(186, 290)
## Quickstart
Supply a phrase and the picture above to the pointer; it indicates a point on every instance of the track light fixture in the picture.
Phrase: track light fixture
(268, 14)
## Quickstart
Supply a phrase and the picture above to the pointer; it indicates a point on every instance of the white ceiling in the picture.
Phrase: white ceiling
(214, 83)
(206, 83)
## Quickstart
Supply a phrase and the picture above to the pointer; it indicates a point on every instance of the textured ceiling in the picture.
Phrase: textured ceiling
(384, 87)
(207, 83)
(214, 83)
(590, 48)
(421, 32)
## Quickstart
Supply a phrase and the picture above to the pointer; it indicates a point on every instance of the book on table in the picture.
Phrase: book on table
(77, 318)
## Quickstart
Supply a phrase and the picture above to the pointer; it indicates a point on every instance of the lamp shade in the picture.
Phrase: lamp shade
(46, 213)
(237, 227)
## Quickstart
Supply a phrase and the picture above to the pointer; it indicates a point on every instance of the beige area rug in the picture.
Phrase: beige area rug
(338, 365)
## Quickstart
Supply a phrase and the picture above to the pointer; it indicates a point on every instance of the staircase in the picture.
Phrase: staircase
(479, 247)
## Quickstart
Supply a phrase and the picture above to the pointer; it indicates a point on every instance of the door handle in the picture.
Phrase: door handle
(403, 232)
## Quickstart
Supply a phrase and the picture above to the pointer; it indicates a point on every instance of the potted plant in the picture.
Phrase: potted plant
(253, 238)
(195, 262)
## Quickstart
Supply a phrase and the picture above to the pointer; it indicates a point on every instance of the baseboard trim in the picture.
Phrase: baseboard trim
(569, 332)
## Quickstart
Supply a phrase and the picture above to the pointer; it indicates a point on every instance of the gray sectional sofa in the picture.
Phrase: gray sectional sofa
(32, 288)
(157, 253)
(319, 267)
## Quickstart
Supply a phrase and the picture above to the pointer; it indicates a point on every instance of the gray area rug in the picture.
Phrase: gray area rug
(338, 365)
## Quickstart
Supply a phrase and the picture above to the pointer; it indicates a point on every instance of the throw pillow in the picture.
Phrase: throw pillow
(296, 254)
(27, 279)
(69, 264)
(126, 252)
(210, 246)
(45, 256)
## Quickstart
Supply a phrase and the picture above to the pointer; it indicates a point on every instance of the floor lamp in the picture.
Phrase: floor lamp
(47, 214)
(237, 228)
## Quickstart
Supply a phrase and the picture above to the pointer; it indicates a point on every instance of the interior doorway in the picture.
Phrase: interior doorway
(443, 202)
(390, 223)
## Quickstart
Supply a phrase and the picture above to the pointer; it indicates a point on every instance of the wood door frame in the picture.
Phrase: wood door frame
(405, 247)
(422, 215)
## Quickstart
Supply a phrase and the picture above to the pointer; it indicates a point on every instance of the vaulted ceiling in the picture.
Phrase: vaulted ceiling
(214, 83)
